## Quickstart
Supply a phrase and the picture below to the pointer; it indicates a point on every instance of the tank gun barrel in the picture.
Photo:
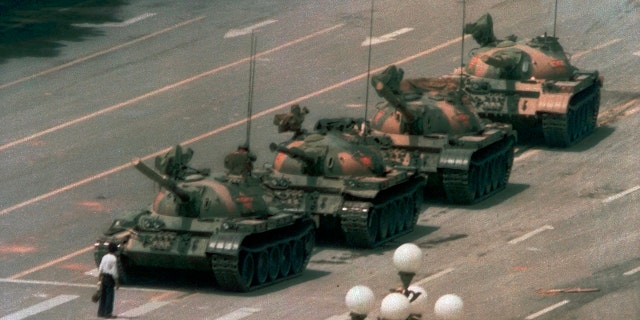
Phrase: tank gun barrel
(293, 152)
(387, 85)
(166, 183)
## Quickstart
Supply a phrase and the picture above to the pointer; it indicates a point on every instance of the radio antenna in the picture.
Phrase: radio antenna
(464, 12)
(252, 69)
(366, 96)
(555, 17)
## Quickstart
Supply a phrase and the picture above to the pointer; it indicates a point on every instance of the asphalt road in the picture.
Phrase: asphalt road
(144, 76)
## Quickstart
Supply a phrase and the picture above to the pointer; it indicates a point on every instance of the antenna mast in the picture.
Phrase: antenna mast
(555, 17)
(366, 96)
(464, 9)
(252, 69)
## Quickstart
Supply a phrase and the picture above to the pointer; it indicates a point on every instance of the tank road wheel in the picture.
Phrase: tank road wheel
(409, 213)
(246, 269)
(394, 217)
(297, 256)
(384, 223)
(275, 257)
(262, 266)
(373, 225)
(285, 259)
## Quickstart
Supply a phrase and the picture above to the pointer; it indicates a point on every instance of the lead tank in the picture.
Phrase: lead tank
(220, 224)
(532, 85)
(434, 129)
(340, 178)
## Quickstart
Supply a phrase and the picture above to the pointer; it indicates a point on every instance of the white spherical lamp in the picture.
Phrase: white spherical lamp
(360, 300)
(419, 304)
(395, 306)
(408, 258)
(449, 307)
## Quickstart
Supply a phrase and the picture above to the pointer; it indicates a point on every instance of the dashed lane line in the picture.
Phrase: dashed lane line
(239, 314)
(40, 307)
(632, 271)
(621, 194)
(530, 234)
(78, 285)
(143, 309)
(547, 309)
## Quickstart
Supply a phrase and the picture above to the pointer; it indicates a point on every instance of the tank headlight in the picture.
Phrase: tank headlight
(225, 226)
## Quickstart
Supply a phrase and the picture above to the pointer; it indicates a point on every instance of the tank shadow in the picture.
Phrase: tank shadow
(512, 189)
(40, 28)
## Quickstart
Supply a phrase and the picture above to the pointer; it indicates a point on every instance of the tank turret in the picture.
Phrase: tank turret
(433, 127)
(340, 177)
(225, 224)
(531, 84)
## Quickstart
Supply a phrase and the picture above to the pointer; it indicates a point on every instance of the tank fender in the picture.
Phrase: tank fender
(455, 159)
(553, 103)
(226, 243)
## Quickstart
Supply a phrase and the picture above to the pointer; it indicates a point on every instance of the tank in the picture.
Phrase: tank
(434, 129)
(340, 177)
(532, 85)
(222, 224)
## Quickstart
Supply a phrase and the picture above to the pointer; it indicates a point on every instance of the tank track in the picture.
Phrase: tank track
(390, 216)
(488, 173)
(253, 267)
(563, 130)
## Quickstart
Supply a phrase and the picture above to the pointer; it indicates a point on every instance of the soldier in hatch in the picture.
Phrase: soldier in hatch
(292, 120)
(240, 162)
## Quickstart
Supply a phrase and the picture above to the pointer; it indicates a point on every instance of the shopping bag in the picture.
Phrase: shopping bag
(95, 297)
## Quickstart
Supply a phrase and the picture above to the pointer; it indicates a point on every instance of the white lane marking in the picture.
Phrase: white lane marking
(632, 271)
(637, 53)
(434, 276)
(210, 133)
(598, 47)
(78, 285)
(116, 24)
(247, 30)
(164, 89)
(384, 38)
(50, 263)
(621, 194)
(239, 314)
(526, 154)
(92, 272)
(40, 307)
(547, 309)
(91, 56)
(530, 234)
(143, 309)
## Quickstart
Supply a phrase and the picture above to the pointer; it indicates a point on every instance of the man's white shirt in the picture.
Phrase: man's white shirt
(108, 265)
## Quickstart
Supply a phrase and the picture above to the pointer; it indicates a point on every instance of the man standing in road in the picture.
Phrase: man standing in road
(108, 271)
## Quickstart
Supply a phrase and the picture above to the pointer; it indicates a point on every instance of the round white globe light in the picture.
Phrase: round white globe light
(395, 306)
(449, 307)
(408, 258)
(419, 305)
(360, 300)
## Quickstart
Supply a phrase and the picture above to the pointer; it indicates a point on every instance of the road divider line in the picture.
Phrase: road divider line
(530, 234)
(229, 126)
(48, 264)
(166, 88)
(632, 271)
(78, 285)
(547, 309)
(239, 314)
(100, 53)
(621, 194)
(40, 307)
(598, 47)
(116, 24)
(434, 276)
(143, 309)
